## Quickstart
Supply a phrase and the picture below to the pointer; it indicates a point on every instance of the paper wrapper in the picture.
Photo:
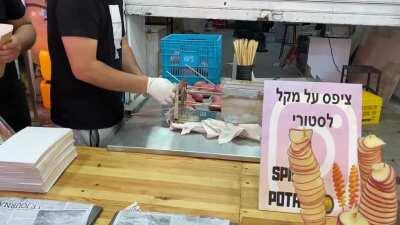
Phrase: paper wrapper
(5, 36)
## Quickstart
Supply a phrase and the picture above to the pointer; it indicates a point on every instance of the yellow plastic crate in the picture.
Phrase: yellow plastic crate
(371, 108)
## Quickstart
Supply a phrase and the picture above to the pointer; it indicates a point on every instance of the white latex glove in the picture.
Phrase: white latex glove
(161, 89)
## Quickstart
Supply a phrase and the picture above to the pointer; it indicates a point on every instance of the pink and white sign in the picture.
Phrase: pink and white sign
(332, 111)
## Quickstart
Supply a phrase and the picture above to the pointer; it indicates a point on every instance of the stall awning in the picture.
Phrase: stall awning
(360, 12)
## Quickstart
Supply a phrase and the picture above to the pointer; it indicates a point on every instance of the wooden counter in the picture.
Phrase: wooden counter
(113, 180)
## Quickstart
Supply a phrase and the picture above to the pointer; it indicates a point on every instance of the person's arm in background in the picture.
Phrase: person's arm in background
(23, 38)
(129, 63)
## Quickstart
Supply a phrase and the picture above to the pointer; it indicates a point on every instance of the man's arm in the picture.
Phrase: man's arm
(79, 29)
(24, 32)
(23, 38)
(81, 54)
(129, 63)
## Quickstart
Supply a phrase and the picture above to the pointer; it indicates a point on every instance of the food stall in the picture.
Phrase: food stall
(168, 172)
(367, 13)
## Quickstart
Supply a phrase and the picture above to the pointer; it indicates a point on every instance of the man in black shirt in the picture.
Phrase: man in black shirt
(92, 64)
(13, 104)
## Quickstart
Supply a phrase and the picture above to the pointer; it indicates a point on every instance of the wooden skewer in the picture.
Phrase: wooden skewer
(255, 51)
(242, 50)
(201, 104)
(246, 46)
(205, 92)
(200, 75)
(173, 76)
(245, 51)
(250, 52)
(235, 45)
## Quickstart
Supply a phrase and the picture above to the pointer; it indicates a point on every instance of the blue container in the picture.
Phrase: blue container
(201, 52)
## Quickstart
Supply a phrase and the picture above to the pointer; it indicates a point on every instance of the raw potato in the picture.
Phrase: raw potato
(217, 100)
(379, 196)
(372, 141)
(198, 97)
(219, 88)
(189, 100)
(216, 103)
(380, 171)
(300, 136)
(369, 153)
(351, 218)
(199, 84)
(307, 179)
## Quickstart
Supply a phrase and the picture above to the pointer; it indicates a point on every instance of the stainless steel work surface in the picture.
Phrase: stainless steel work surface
(143, 133)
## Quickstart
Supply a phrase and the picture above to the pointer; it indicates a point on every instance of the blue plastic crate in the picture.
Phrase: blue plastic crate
(202, 52)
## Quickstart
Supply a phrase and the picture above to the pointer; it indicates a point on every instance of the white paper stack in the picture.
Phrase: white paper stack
(34, 158)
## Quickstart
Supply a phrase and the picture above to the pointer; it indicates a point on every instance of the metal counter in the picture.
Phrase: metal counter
(143, 133)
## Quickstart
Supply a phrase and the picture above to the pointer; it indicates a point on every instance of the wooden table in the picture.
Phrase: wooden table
(113, 180)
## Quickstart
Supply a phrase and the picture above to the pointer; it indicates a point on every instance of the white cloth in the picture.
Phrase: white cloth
(117, 28)
(225, 132)
(189, 127)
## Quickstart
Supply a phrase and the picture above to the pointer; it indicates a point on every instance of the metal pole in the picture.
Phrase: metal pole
(31, 83)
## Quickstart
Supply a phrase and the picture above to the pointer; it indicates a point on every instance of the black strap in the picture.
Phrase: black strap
(94, 138)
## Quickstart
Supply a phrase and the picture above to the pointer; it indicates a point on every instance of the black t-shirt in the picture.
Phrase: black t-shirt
(76, 104)
(9, 10)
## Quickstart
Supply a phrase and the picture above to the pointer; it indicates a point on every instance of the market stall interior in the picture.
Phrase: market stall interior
(212, 138)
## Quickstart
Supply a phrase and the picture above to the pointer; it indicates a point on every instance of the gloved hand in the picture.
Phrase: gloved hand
(161, 89)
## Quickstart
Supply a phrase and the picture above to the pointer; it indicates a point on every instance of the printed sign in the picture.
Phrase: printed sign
(328, 116)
